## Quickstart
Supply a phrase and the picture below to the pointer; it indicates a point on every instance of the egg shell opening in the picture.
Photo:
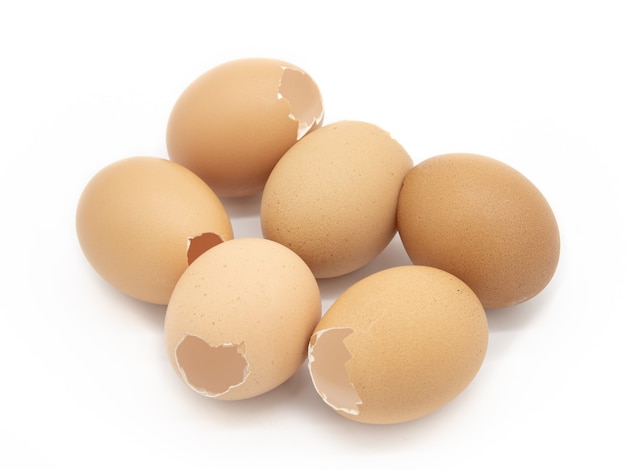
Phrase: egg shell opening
(328, 357)
(201, 243)
(304, 99)
(211, 370)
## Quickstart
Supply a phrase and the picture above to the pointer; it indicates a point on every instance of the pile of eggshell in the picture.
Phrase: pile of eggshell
(243, 314)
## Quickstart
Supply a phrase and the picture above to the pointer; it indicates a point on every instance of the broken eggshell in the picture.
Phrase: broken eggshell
(240, 318)
(398, 345)
(234, 122)
(140, 221)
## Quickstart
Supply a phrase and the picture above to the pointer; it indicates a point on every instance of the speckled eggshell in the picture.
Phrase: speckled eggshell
(240, 318)
(398, 345)
(140, 221)
(232, 124)
(332, 197)
(484, 222)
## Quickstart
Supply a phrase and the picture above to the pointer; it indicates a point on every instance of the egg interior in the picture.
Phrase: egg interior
(211, 370)
(201, 243)
(328, 357)
(304, 98)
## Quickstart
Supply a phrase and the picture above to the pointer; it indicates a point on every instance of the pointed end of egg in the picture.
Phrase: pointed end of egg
(211, 371)
(328, 357)
(304, 98)
(201, 243)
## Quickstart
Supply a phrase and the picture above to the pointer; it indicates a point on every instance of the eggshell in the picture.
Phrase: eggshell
(332, 197)
(482, 221)
(240, 318)
(398, 345)
(232, 124)
(140, 221)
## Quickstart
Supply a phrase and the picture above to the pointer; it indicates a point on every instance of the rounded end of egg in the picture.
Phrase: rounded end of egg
(328, 356)
(211, 370)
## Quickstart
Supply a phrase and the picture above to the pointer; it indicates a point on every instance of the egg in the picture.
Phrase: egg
(397, 345)
(240, 318)
(332, 197)
(141, 220)
(233, 123)
(483, 221)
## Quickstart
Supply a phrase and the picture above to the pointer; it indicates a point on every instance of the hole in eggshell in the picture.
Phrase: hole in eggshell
(304, 99)
(201, 243)
(328, 356)
(211, 370)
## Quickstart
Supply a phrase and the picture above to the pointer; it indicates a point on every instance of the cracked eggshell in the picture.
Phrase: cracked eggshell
(240, 318)
(233, 123)
(332, 197)
(483, 221)
(398, 345)
(140, 221)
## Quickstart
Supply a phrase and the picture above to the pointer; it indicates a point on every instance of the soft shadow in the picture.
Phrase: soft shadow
(242, 207)
(255, 411)
(507, 325)
(393, 255)
(298, 399)
(520, 316)
(366, 438)
(152, 315)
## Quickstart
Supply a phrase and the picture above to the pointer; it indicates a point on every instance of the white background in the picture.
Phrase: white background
(539, 85)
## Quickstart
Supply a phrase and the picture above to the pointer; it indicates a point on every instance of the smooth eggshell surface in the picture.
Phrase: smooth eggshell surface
(141, 220)
(482, 221)
(240, 318)
(232, 124)
(398, 345)
(332, 197)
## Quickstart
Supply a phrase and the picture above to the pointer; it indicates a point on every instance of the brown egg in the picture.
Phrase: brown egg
(234, 122)
(398, 345)
(240, 318)
(482, 221)
(332, 197)
(140, 221)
